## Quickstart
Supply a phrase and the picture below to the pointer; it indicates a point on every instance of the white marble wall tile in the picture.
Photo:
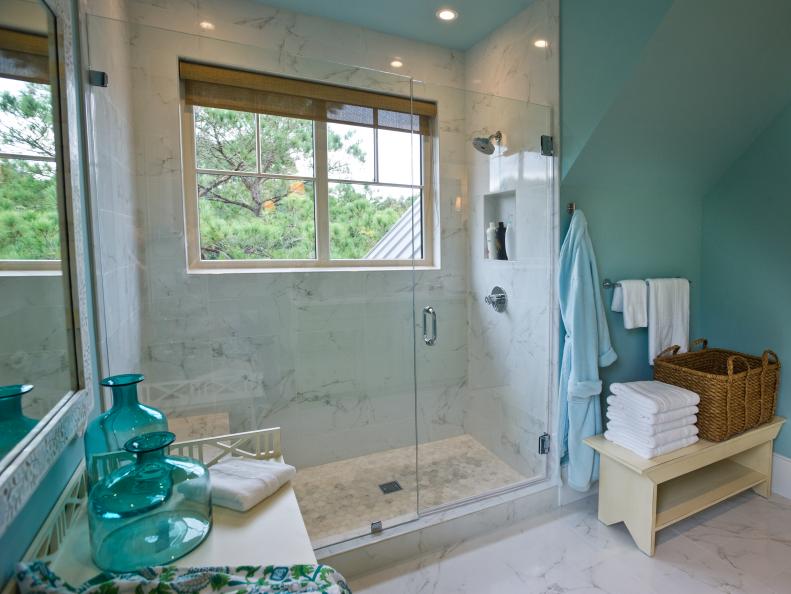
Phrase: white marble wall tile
(510, 353)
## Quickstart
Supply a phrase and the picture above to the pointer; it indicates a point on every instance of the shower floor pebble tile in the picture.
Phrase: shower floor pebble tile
(741, 546)
(341, 499)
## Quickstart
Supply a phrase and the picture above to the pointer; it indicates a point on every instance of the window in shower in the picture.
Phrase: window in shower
(283, 173)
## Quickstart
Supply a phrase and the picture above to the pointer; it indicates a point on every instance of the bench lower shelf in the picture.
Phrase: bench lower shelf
(649, 495)
(693, 492)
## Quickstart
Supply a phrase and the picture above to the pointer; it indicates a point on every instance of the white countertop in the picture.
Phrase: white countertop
(271, 533)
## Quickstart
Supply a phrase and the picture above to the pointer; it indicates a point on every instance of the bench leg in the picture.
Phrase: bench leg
(625, 496)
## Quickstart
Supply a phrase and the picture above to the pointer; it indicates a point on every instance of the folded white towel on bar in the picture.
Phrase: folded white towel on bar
(646, 427)
(654, 397)
(241, 483)
(631, 298)
(616, 404)
(652, 441)
(668, 315)
(647, 452)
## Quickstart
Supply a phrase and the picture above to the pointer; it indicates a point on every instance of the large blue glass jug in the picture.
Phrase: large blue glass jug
(127, 418)
(151, 512)
(13, 424)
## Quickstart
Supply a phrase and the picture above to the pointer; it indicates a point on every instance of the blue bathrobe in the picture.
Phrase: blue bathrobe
(586, 348)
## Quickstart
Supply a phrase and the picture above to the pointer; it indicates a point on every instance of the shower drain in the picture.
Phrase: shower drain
(390, 487)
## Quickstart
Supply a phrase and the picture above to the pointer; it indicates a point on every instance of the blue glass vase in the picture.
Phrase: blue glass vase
(13, 424)
(151, 512)
(127, 418)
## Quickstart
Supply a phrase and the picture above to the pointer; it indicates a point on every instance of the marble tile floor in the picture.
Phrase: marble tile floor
(742, 545)
(340, 499)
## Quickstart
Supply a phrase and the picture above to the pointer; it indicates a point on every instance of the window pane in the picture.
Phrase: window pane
(351, 152)
(286, 146)
(224, 139)
(251, 218)
(29, 228)
(399, 157)
(26, 119)
(374, 222)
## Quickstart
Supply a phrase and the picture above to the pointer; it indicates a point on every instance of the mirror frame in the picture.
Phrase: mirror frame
(33, 457)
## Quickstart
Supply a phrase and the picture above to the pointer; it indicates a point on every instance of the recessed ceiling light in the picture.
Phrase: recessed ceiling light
(447, 14)
(396, 63)
(541, 43)
(206, 25)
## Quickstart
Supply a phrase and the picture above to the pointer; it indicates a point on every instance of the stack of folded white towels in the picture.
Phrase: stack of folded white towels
(651, 418)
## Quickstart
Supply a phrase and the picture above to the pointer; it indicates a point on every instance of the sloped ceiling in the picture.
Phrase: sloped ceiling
(712, 76)
(415, 19)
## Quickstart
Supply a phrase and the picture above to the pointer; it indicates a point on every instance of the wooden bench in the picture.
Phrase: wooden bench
(648, 495)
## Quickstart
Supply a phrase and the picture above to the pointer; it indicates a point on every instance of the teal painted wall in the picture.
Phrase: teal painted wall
(746, 248)
(639, 228)
(600, 44)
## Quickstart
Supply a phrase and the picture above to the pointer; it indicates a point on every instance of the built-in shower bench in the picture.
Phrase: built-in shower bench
(648, 495)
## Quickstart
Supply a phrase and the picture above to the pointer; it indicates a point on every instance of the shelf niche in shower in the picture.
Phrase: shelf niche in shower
(499, 207)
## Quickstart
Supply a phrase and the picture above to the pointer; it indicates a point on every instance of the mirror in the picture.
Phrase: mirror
(37, 345)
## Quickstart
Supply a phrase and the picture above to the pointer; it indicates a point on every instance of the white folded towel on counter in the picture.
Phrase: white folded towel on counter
(646, 428)
(241, 483)
(651, 441)
(668, 315)
(631, 298)
(648, 452)
(616, 405)
(654, 397)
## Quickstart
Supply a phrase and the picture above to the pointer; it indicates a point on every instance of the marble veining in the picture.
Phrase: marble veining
(739, 546)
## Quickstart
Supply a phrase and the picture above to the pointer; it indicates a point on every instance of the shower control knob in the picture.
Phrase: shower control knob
(497, 299)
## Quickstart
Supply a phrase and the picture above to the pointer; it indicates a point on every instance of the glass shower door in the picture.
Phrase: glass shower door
(326, 355)
(483, 384)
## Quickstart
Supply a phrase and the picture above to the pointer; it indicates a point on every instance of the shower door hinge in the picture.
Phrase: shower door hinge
(376, 527)
(97, 78)
(543, 443)
(547, 145)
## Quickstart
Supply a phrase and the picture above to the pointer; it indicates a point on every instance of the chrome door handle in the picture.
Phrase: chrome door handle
(429, 311)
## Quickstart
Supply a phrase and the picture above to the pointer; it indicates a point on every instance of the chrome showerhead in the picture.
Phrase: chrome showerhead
(485, 145)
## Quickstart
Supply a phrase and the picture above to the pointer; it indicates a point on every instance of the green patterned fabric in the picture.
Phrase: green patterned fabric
(36, 578)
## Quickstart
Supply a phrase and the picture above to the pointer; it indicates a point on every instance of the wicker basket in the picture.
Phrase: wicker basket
(737, 391)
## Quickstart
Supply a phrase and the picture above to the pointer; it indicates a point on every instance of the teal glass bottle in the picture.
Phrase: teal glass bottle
(13, 424)
(127, 418)
(151, 512)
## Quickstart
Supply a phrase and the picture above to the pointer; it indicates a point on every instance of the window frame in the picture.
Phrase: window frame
(31, 53)
(321, 181)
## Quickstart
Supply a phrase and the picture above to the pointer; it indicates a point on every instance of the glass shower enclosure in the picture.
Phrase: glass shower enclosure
(398, 389)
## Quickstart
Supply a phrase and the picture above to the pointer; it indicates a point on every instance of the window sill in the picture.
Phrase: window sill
(9, 273)
(200, 271)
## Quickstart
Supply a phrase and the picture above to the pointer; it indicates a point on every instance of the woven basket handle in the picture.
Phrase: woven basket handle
(764, 366)
(767, 354)
(731, 361)
(670, 351)
(699, 341)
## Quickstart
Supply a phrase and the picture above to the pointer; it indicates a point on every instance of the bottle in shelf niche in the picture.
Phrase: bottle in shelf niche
(13, 424)
(491, 241)
(127, 418)
(151, 512)
(510, 240)
(501, 241)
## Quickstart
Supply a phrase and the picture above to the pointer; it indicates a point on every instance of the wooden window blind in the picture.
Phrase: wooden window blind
(24, 56)
(241, 90)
